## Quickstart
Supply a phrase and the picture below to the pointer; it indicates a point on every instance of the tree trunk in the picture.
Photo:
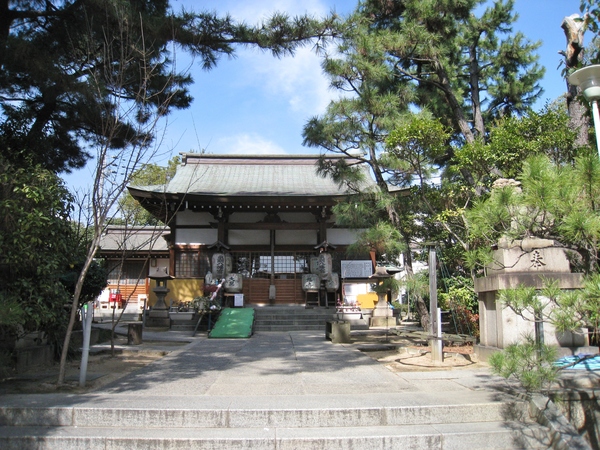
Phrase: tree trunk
(423, 313)
(74, 307)
(475, 97)
(574, 30)
(459, 118)
(457, 111)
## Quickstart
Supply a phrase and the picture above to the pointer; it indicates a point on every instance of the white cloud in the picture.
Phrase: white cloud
(257, 10)
(298, 80)
(245, 144)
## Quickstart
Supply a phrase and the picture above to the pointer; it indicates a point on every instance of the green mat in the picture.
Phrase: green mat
(233, 323)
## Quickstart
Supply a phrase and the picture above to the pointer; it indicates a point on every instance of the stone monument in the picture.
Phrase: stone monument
(526, 262)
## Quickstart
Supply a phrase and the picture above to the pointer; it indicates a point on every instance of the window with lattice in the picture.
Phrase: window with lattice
(191, 264)
(130, 272)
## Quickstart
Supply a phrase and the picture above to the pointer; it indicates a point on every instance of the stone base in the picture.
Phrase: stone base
(377, 322)
(39, 355)
(570, 351)
(382, 312)
(158, 313)
(484, 352)
(359, 324)
(337, 332)
(158, 322)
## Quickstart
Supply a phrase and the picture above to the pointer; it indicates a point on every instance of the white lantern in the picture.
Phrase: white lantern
(233, 282)
(324, 265)
(311, 282)
(333, 284)
(221, 265)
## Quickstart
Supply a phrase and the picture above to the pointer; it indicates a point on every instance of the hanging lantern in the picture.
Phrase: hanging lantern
(221, 265)
(314, 264)
(233, 282)
(324, 265)
(310, 282)
(333, 284)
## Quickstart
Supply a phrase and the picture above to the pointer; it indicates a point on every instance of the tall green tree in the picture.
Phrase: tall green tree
(402, 55)
(422, 80)
(513, 139)
(35, 249)
(41, 254)
(466, 67)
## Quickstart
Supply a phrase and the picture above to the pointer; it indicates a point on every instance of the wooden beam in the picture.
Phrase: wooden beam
(273, 226)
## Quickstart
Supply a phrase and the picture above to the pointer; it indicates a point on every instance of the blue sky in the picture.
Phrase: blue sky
(257, 104)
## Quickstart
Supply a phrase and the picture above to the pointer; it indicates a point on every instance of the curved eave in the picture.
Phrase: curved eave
(131, 254)
(164, 204)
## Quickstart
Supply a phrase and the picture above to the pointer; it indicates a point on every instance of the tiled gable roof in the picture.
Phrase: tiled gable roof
(249, 176)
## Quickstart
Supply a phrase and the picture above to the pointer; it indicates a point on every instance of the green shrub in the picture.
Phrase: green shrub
(534, 368)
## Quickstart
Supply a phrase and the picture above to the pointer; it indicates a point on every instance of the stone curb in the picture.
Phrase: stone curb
(564, 435)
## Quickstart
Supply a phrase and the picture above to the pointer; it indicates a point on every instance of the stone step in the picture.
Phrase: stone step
(293, 316)
(295, 312)
(182, 327)
(488, 435)
(90, 416)
(300, 322)
(293, 320)
(284, 328)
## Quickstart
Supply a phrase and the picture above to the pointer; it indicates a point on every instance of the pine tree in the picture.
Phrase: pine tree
(422, 78)
(49, 51)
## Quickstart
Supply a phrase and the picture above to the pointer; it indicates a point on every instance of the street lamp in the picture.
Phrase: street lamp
(588, 79)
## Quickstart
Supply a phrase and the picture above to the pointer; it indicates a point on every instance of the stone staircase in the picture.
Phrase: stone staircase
(291, 318)
(274, 318)
(98, 424)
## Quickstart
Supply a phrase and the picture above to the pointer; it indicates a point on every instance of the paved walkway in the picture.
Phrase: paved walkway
(276, 370)
(296, 383)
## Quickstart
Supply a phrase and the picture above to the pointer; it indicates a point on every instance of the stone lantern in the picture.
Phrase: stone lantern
(323, 269)
(159, 314)
(382, 315)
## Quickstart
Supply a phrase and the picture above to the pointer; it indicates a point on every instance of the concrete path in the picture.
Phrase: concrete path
(275, 390)
(272, 369)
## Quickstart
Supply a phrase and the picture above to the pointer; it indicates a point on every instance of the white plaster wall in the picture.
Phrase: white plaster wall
(188, 217)
(196, 236)
(249, 237)
(342, 236)
(293, 237)
(162, 267)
